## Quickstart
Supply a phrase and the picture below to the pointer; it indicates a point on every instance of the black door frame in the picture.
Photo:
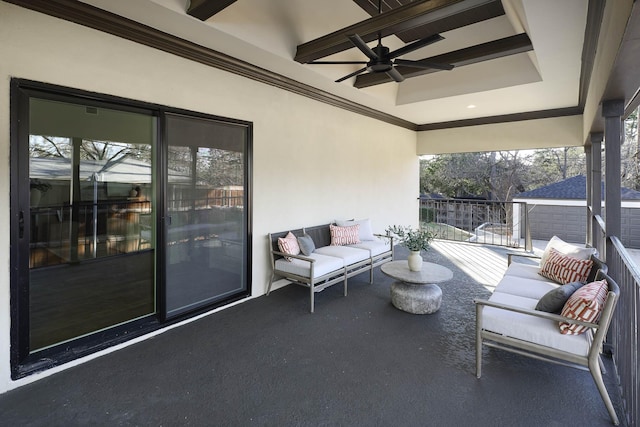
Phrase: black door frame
(23, 363)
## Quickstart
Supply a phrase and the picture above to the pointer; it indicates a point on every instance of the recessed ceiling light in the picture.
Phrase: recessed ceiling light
(471, 106)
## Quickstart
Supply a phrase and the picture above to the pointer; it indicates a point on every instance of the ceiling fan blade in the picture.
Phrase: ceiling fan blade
(415, 45)
(337, 62)
(423, 64)
(348, 76)
(395, 75)
(360, 44)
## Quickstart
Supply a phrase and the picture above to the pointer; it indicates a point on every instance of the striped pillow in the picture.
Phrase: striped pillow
(585, 304)
(289, 245)
(564, 268)
(344, 235)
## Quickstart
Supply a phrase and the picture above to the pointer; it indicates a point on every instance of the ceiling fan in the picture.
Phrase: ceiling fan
(381, 60)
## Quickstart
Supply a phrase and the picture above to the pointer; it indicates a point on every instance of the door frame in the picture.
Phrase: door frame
(23, 363)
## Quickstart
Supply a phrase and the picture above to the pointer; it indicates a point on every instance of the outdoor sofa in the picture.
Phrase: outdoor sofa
(558, 311)
(323, 255)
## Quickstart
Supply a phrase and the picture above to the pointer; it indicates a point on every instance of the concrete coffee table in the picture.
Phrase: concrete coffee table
(416, 291)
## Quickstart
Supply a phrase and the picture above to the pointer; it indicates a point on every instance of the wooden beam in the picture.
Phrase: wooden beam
(438, 15)
(205, 9)
(470, 55)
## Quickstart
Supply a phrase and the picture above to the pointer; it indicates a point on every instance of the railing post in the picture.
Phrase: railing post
(594, 184)
(612, 111)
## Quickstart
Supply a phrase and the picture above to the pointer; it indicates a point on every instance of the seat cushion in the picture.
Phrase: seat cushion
(375, 247)
(530, 328)
(528, 288)
(324, 264)
(526, 271)
(347, 254)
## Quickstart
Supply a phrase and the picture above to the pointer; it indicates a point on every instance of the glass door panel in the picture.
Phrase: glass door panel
(91, 239)
(205, 232)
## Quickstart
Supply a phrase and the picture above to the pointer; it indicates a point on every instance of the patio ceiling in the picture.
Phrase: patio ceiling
(514, 59)
(517, 78)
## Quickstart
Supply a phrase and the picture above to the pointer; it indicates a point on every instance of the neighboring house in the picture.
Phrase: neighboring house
(560, 209)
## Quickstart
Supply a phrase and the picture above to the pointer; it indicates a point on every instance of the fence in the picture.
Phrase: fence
(623, 335)
(477, 221)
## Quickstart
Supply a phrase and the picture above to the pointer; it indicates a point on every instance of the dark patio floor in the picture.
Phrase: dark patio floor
(357, 361)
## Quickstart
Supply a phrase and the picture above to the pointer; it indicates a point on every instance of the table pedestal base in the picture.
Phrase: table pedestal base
(416, 299)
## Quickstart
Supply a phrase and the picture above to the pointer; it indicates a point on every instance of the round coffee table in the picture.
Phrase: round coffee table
(416, 291)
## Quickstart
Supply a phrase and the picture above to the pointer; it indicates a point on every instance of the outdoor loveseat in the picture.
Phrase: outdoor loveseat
(321, 256)
(558, 311)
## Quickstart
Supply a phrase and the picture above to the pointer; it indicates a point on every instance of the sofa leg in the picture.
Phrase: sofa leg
(594, 367)
(273, 276)
(311, 297)
(478, 341)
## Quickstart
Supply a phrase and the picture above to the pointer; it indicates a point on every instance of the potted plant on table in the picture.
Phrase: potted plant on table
(414, 240)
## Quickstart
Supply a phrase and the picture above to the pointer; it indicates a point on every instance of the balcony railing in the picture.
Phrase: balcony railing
(623, 335)
(477, 221)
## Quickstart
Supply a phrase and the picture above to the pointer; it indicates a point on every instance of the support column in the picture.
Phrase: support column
(612, 111)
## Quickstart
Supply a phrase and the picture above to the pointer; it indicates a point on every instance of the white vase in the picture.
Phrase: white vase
(415, 261)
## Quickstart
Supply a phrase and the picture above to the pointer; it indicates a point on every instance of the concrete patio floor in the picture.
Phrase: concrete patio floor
(357, 361)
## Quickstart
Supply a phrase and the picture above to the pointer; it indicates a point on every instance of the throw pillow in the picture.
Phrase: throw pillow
(289, 245)
(565, 248)
(585, 304)
(344, 235)
(306, 244)
(553, 301)
(564, 268)
(365, 232)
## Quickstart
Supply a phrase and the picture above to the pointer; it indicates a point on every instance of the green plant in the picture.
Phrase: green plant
(414, 240)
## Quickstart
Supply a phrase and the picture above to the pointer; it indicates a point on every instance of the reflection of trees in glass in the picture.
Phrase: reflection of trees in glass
(218, 168)
(41, 146)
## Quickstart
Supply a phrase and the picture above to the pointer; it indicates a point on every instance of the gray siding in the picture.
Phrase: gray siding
(569, 223)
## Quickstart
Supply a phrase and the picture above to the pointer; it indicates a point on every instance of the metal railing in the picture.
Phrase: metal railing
(477, 221)
(623, 334)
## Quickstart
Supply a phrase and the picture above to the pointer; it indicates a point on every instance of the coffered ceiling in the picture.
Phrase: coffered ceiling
(509, 56)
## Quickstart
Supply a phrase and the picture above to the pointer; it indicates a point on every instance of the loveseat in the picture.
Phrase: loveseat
(558, 311)
(323, 255)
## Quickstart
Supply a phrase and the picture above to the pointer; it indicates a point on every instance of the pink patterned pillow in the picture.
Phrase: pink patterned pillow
(564, 268)
(344, 235)
(289, 245)
(585, 304)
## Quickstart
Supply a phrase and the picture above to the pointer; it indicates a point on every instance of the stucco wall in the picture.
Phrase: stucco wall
(312, 162)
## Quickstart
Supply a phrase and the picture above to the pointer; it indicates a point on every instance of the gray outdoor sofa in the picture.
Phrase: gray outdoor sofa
(327, 264)
(537, 317)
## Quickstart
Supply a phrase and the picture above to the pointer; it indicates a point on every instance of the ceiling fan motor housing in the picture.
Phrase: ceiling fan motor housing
(382, 63)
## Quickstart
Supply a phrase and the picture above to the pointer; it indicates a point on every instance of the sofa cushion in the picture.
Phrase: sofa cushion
(306, 244)
(375, 247)
(289, 245)
(529, 288)
(565, 248)
(526, 271)
(585, 304)
(530, 328)
(344, 235)
(553, 301)
(323, 265)
(365, 233)
(564, 268)
(348, 254)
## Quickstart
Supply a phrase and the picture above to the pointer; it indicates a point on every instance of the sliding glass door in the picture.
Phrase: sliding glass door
(124, 217)
(205, 218)
(90, 221)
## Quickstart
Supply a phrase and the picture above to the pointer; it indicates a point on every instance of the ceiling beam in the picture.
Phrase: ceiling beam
(205, 9)
(458, 58)
(439, 15)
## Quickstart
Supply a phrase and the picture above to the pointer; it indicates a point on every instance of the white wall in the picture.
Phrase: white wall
(312, 162)
(522, 135)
